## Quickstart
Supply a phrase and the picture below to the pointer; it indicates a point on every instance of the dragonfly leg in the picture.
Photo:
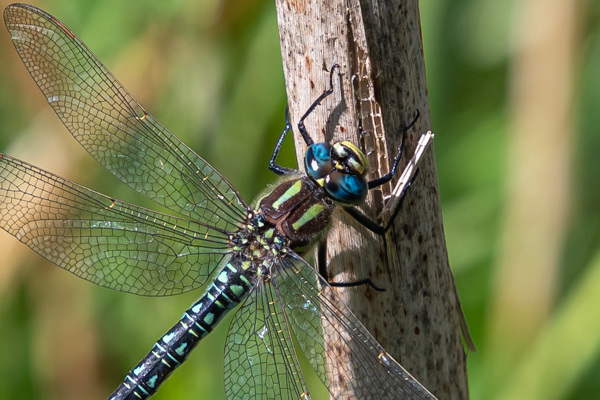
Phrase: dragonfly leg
(368, 222)
(273, 166)
(387, 177)
(373, 226)
(322, 265)
(301, 127)
(361, 282)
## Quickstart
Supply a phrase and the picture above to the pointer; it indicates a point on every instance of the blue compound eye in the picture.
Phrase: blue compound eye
(346, 188)
(317, 160)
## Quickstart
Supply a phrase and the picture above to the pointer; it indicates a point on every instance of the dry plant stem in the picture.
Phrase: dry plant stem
(380, 87)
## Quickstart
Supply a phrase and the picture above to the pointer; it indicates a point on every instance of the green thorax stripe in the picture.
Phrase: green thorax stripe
(291, 192)
(310, 214)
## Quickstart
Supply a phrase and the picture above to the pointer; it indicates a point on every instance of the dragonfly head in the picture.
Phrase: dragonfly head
(340, 169)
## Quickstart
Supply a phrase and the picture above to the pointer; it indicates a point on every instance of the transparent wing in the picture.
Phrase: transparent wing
(105, 241)
(260, 361)
(325, 327)
(113, 127)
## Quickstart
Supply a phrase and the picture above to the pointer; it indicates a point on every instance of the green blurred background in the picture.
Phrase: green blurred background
(512, 87)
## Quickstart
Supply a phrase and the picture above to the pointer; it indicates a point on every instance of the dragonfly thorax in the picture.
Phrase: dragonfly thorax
(299, 210)
(340, 169)
(258, 241)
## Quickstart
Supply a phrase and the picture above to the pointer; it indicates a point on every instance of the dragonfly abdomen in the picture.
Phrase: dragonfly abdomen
(232, 285)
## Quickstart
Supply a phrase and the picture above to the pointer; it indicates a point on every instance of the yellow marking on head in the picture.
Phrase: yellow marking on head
(363, 163)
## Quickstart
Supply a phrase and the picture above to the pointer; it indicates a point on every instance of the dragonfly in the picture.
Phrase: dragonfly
(252, 253)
